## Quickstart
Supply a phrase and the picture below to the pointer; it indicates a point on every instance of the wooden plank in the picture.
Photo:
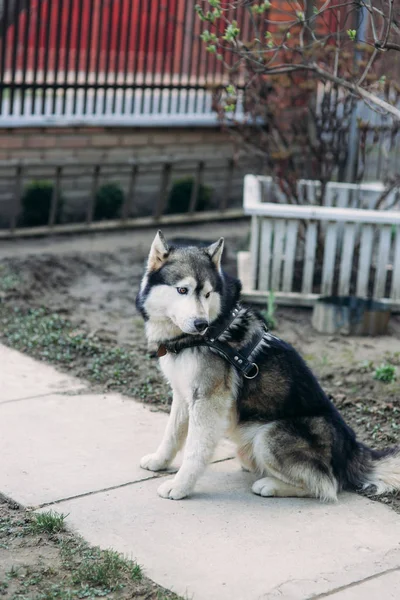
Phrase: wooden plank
(309, 258)
(17, 199)
(328, 268)
(228, 185)
(382, 262)
(282, 298)
(265, 255)
(130, 196)
(346, 262)
(164, 189)
(290, 255)
(395, 291)
(92, 197)
(364, 263)
(115, 225)
(299, 299)
(252, 196)
(322, 213)
(55, 197)
(198, 180)
(277, 253)
(254, 249)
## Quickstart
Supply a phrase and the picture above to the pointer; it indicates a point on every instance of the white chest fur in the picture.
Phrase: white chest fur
(184, 372)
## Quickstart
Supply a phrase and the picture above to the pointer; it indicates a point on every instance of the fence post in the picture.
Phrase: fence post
(131, 193)
(163, 197)
(17, 199)
(196, 187)
(55, 198)
(92, 199)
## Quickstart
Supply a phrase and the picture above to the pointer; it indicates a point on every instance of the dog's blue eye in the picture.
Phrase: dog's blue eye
(182, 291)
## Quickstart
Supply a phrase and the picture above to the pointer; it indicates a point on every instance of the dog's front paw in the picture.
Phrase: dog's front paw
(168, 489)
(151, 462)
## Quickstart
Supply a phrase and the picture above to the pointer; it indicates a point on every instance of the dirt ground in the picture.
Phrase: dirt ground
(83, 290)
(39, 561)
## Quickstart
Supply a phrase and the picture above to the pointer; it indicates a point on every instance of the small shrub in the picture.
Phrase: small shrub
(386, 373)
(109, 201)
(36, 202)
(180, 194)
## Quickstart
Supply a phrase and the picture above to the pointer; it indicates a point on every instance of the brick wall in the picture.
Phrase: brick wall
(97, 143)
(89, 145)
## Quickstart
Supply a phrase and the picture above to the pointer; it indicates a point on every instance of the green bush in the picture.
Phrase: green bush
(36, 202)
(109, 201)
(180, 194)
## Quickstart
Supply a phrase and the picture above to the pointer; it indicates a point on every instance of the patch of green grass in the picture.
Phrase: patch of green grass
(386, 373)
(56, 592)
(48, 522)
(13, 573)
(104, 569)
(8, 281)
(50, 336)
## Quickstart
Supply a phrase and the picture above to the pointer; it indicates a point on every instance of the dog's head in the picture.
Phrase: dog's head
(182, 285)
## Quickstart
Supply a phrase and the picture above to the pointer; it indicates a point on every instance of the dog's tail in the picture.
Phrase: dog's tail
(378, 470)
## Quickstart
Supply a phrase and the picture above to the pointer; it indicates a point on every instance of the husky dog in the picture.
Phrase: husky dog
(268, 402)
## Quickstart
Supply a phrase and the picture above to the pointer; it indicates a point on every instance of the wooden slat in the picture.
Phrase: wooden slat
(328, 268)
(117, 225)
(198, 180)
(228, 185)
(55, 197)
(254, 249)
(129, 198)
(17, 198)
(277, 254)
(265, 255)
(395, 291)
(346, 262)
(290, 255)
(164, 189)
(382, 261)
(309, 258)
(320, 213)
(364, 264)
(92, 198)
(298, 299)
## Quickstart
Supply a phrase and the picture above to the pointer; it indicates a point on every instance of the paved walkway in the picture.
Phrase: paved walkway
(77, 452)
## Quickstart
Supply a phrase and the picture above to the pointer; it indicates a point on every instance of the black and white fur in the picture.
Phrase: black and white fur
(285, 427)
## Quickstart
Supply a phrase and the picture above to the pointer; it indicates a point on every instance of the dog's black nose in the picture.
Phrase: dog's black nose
(201, 325)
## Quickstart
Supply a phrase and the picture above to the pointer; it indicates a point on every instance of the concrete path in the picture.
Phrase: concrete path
(78, 453)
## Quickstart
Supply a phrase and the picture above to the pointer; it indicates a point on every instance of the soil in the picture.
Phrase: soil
(91, 284)
(41, 565)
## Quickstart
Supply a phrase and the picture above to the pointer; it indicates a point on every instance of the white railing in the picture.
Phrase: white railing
(302, 252)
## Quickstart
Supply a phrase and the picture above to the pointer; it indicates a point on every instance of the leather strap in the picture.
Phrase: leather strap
(237, 358)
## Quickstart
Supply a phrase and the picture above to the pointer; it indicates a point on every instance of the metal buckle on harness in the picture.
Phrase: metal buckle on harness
(255, 374)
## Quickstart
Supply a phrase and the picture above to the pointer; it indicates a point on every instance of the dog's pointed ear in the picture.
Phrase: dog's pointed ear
(159, 252)
(215, 252)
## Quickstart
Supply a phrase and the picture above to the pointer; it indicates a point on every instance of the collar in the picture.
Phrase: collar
(239, 359)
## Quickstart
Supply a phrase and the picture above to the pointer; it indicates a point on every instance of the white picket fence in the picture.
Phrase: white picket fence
(302, 252)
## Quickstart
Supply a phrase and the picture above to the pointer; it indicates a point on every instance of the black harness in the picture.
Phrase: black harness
(211, 339)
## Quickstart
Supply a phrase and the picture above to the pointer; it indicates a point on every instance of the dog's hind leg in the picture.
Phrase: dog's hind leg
(173, 439)
(270, 486)
(297, 453)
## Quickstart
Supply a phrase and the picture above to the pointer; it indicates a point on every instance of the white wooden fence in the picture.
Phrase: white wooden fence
(302, 252)
(343, 195)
